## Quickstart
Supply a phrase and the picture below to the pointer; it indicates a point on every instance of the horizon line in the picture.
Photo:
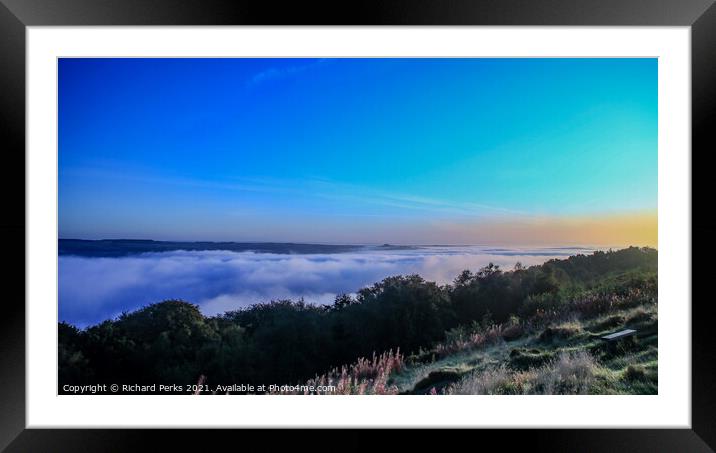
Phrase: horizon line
(534, 246)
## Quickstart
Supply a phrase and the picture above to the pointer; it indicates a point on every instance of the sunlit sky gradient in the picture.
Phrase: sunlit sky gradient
(419, 151)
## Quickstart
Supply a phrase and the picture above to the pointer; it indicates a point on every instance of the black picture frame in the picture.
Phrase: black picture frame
(16, 15)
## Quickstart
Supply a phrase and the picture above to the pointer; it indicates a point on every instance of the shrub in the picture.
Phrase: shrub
(521, 359)
(640, 316)
(438, 379)
(562, 331)
(634, 373)
(462, 338)
(495, 381)
(608, 323)
(569, 374)
(513, 330)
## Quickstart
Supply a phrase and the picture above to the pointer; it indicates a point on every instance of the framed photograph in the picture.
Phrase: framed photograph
(463, 215)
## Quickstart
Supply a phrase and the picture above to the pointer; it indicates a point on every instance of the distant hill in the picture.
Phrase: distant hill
(126, 247)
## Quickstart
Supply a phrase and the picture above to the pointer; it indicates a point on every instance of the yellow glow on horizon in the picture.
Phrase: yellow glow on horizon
(609, 230)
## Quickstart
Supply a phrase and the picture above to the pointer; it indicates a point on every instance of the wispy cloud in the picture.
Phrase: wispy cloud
(335, 190)
(275, 73)
(320, 210)
(317, 188)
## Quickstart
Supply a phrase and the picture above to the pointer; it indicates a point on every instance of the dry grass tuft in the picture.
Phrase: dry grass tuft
(365, 377)
(568, 374)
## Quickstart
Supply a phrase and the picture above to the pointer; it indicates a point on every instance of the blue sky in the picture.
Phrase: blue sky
(357, 150)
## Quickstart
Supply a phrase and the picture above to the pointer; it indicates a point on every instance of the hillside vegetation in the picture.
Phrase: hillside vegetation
(525, 331)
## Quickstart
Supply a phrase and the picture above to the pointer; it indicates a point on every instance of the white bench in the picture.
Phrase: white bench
(616, 336)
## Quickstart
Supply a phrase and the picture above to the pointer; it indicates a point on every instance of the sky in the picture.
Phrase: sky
(366, 151)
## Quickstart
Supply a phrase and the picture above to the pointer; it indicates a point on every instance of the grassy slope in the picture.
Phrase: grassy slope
(570, 350)
(555, 352)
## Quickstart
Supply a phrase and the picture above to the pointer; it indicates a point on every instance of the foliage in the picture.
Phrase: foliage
(288, 342)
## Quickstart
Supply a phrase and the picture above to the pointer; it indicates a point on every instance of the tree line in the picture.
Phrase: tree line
(286, 342)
